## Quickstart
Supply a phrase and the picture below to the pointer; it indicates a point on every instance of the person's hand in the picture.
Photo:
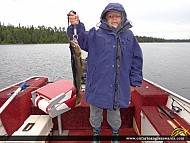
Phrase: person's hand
(73, 18)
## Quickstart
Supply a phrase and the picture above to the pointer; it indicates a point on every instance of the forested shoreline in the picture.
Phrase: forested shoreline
(32, 35)
(45, 35)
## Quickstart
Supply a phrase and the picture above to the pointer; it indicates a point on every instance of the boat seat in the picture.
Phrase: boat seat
(55, 98)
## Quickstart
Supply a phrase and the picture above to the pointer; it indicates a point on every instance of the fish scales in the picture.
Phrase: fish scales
(77, 67)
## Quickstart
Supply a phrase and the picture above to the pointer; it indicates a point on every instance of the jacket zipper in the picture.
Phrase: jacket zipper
(118, 63)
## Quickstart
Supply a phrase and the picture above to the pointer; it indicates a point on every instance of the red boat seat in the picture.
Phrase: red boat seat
(55, 98)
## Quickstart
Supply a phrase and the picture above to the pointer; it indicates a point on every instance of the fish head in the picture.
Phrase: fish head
(75, 47)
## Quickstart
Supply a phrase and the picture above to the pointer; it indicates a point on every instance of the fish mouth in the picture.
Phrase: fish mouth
(73, 44)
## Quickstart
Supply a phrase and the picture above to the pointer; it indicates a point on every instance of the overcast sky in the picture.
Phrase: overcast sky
(169, 19)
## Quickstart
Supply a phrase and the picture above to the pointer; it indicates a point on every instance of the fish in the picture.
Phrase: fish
(77, 67)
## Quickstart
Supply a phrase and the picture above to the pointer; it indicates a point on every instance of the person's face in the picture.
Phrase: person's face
(113, 18)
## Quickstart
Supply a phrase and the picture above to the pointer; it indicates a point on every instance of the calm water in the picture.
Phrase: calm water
(167, 64)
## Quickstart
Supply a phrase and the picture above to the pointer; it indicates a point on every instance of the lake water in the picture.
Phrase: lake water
(167, 64)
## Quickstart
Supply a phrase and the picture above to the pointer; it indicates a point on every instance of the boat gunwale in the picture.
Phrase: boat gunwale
(171, 93)
(12, 85)
(151, 82)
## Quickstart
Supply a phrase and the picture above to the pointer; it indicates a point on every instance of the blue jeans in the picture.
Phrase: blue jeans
(113, 118)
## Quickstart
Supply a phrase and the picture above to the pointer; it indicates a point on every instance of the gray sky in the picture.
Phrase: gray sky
(169, 19)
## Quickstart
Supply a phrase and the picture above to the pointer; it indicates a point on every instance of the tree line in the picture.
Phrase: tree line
(44, 35)
(143, 39)
(32, 35)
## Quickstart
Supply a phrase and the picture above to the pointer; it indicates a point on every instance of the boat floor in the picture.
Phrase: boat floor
(105, 133)
(81, 127)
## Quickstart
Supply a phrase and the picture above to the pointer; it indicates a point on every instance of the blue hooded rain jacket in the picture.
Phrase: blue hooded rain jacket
(102, 45)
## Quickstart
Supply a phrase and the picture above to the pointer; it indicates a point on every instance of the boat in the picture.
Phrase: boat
(45, 111)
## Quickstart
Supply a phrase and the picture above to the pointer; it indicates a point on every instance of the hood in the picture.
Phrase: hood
(114, 7)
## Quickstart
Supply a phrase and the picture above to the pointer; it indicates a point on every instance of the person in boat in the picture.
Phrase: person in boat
(114, 65)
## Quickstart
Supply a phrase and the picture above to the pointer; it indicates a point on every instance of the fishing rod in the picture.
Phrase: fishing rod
(173, 119)
(174, 99)
(177, 109)
(178, 131)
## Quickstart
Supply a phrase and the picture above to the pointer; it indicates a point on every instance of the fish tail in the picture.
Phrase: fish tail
(78, 98)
